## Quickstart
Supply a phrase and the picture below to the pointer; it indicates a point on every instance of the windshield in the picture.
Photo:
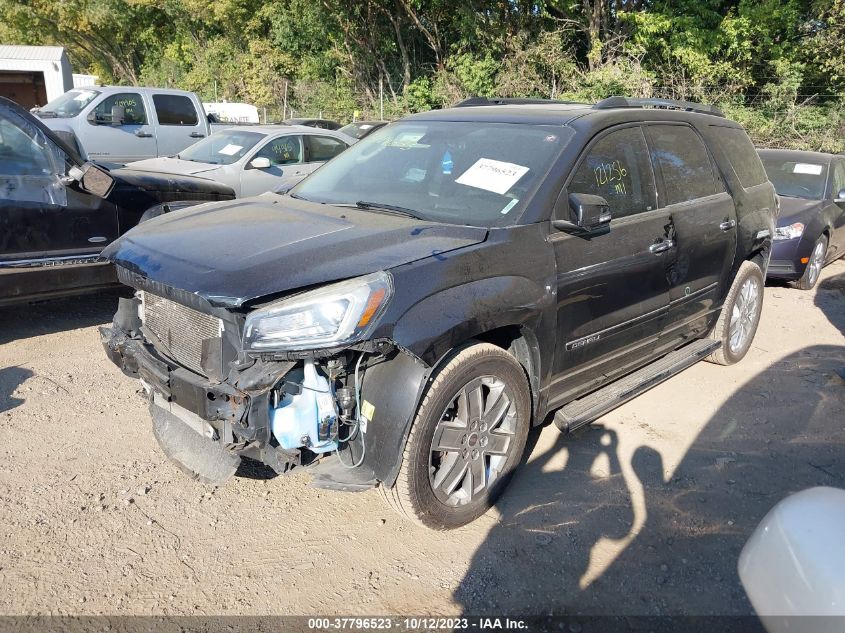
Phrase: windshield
(69, 104)
(472, 173)
(222, 148)
(797, 179)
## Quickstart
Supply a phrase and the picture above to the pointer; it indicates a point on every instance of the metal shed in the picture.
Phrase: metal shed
(34, 75)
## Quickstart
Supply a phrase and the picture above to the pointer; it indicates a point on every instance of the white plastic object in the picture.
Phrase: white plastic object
(296, 421)
(794, 563)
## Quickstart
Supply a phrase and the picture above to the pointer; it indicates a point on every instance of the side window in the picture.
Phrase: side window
(175, 110)
(742, 155)
(617, 168)
(323, 148)
(285, 150)
(133, 107)
(30, 164)
(682, 163)
(838, 177)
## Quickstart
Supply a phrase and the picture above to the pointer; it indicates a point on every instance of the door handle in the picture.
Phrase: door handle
(727, 225)
(97, 239)
(142, 134)
(661, 246)
(197, 135)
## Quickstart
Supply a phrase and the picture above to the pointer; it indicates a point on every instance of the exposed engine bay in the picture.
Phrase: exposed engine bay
(315, 411)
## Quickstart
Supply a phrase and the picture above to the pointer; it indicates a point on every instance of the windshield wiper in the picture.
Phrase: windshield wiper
(380, 206)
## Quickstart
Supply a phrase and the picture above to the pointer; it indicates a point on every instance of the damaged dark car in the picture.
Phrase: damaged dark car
(57, 211)
(407, 313)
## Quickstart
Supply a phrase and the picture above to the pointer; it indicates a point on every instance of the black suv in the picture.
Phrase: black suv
(57, 212)
(407, 313)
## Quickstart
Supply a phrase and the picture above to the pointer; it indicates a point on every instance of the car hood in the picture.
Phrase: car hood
(126, 177)
(797, 210)
(168, 165)
(231, 253)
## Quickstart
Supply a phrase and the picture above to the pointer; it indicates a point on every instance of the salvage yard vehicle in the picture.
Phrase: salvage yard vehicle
(120, 124)
(407, 313)
(323, 124)
(254, 160)
(810, 231)
(360, 129)
(57, 212)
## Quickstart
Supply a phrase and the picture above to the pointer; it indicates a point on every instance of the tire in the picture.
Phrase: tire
(738, 313)
(814, 267)
(423, 492)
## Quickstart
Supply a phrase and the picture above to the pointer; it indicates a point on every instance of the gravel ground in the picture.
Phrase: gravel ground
(645, 512)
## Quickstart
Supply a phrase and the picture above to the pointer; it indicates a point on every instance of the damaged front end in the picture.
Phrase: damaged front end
(223, 386)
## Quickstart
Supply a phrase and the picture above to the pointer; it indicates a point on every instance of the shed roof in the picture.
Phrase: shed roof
(39, 53)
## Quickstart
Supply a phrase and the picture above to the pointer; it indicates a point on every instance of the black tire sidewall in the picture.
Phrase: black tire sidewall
(751, 271)
(429, 508)
(803, 283)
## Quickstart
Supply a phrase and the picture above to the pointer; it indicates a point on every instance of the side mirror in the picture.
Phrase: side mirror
(260, 163)
(588, 214)
(118, 115)
(93, 179)
(840, 197)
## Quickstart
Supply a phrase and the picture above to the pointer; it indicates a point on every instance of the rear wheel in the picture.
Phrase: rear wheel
(814, 265)
(740, 316)
(467, 437)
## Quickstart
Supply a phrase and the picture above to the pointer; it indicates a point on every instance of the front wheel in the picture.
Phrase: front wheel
(814, 265)
(740, 316)
(466, 439)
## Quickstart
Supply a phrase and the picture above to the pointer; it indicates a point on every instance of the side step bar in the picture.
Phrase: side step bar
(581, 412)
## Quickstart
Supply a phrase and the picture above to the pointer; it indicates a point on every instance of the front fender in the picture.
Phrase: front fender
(444, 320)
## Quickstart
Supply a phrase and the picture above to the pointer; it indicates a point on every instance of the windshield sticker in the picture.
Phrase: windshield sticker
(365, 126)
(414, 174)
(406, 140)
(84, 95)
(492, 175)
(231, 149)
(510, 205)
(808, 168)
(446, 163)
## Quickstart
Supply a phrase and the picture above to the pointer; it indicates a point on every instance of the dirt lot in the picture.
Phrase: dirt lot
(643, 513)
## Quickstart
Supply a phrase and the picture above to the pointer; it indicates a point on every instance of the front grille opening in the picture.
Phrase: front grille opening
(179, 330)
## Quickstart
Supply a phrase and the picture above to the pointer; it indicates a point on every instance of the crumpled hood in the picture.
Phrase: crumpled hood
(176, 166)
(794, 210)
(234, 252)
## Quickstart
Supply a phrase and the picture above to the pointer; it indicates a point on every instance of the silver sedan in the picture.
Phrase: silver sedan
(254, 159)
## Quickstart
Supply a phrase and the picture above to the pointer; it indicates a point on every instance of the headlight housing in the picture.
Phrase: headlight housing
(789, 232)
(334, 315)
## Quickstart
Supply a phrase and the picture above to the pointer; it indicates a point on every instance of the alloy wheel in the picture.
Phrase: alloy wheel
(815, 264)
(744, 314)
(472, 441)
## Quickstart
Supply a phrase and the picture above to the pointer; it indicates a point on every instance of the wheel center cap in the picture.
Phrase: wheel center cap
(473, 439)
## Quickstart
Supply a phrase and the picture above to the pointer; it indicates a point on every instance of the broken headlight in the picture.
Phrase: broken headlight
(334, 315)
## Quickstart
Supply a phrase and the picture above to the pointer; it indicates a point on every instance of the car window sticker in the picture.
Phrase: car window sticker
(230, 150)
(807, 168)
(510, 205)
(492, 175)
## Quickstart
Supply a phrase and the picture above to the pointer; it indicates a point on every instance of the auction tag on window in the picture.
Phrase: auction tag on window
(231, 149)
(807, 168)
(492, 175)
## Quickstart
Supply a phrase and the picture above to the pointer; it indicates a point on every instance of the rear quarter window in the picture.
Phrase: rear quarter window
(741, 154)
(175, 110)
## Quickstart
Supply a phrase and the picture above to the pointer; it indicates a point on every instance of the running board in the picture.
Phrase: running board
(581, 412)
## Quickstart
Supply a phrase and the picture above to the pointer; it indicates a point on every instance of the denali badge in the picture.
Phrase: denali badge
(581, 342)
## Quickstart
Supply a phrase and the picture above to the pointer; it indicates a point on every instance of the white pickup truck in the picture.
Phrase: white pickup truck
(121, 124)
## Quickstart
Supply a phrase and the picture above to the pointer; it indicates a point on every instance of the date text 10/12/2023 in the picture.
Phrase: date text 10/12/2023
(417, 624)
